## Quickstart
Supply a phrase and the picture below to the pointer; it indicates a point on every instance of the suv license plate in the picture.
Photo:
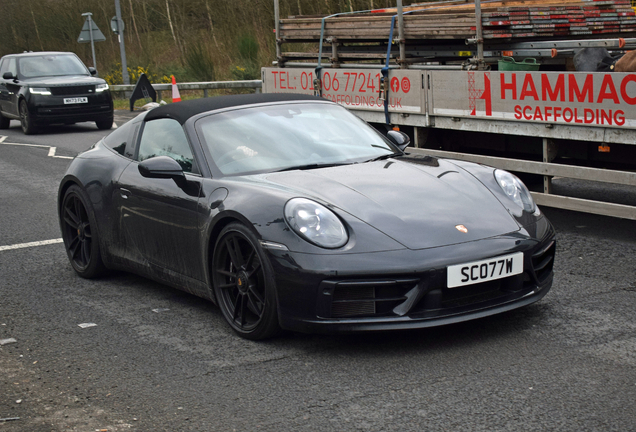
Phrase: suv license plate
(76, 100)
(485, 270)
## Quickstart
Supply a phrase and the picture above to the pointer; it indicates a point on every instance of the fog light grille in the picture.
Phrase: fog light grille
(543, 261)
(366, 298)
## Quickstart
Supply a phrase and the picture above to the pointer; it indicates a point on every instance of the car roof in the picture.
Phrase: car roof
(39, 53)
(182, 111)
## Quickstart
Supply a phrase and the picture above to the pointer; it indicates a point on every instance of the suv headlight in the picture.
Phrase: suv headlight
(315, 223)
(101, 87)
(40, 91)
(516, 190)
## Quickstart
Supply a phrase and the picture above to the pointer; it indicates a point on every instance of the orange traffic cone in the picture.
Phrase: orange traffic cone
(176, 97)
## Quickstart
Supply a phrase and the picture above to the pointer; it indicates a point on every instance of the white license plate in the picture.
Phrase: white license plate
(485, 270)
(76, 100)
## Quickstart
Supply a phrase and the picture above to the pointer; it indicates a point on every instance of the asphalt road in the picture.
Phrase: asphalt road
(162, 360)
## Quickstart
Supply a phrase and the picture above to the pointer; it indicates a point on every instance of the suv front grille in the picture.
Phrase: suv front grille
(72, 90)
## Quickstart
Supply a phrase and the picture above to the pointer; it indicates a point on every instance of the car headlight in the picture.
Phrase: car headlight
(516, 190)
(315, 223)
(101, 88)
(40, 91)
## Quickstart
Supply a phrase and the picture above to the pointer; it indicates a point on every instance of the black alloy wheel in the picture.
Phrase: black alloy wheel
(4, 122)
(79, 233)
(244, 283)
(25, 119)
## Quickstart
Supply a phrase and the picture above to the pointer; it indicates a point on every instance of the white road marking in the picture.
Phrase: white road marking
(30, 244)
(115, 125)
(87, 325)
(51, 149)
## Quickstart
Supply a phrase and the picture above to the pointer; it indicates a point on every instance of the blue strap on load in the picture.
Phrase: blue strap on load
(384, 87)
(318, 70)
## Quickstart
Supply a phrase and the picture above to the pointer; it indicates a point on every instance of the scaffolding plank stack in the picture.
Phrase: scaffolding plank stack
(589, 18)
(515, 20)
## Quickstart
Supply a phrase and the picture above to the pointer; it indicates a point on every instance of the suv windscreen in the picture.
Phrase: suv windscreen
(50, 65)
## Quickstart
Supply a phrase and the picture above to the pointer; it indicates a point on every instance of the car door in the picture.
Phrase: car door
(8, 88)
(159, 218)
(13, 88)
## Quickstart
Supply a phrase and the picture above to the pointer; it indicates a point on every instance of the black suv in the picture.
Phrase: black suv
(40, 88)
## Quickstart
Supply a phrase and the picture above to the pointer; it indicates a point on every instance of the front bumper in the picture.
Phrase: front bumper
(405, 289)
(51, 109)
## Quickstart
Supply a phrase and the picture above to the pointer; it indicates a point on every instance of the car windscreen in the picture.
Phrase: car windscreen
(290, 136)
(50, 65)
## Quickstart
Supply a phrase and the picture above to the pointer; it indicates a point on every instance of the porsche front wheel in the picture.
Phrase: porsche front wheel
(244, 284)
(79, 232)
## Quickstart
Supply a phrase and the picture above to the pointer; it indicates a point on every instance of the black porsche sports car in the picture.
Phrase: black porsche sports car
(290, 212)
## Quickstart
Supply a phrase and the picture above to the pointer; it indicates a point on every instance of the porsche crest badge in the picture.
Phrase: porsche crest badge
(461, 228)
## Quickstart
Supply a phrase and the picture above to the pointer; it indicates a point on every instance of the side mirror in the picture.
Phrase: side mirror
(9, 76)
(163, 167)
(92, 70)
(399, 138)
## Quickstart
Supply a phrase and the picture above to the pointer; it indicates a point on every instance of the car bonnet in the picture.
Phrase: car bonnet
(420, 206)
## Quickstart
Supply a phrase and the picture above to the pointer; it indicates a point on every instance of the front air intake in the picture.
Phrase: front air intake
(358, 298)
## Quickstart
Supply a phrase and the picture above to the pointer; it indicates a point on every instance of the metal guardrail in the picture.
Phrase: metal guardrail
(205, 86)
(549, 170)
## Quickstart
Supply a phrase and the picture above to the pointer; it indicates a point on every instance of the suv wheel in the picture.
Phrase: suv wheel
(4, 122)
(25, 119)
(104, 124)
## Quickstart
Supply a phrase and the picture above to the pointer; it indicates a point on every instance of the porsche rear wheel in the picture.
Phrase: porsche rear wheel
(79, 232)
(25, 119)
(244, 283)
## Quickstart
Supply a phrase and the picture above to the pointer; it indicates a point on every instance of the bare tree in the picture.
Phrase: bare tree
(174, 36)
(35, 24)
(132, 15)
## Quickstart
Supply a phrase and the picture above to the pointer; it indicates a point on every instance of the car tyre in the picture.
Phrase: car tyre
(25, 119)
(4, 122)
(80, 234)
(243, 283)
(104, 124)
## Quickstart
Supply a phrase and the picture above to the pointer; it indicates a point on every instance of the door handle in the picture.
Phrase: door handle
(125, 193)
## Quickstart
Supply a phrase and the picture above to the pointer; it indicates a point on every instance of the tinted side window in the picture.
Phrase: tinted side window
(119, 139)
(8, 65)
(165, 137)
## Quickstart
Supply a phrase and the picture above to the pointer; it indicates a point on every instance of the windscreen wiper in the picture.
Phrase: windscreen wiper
(383, 157)
(312, 166)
